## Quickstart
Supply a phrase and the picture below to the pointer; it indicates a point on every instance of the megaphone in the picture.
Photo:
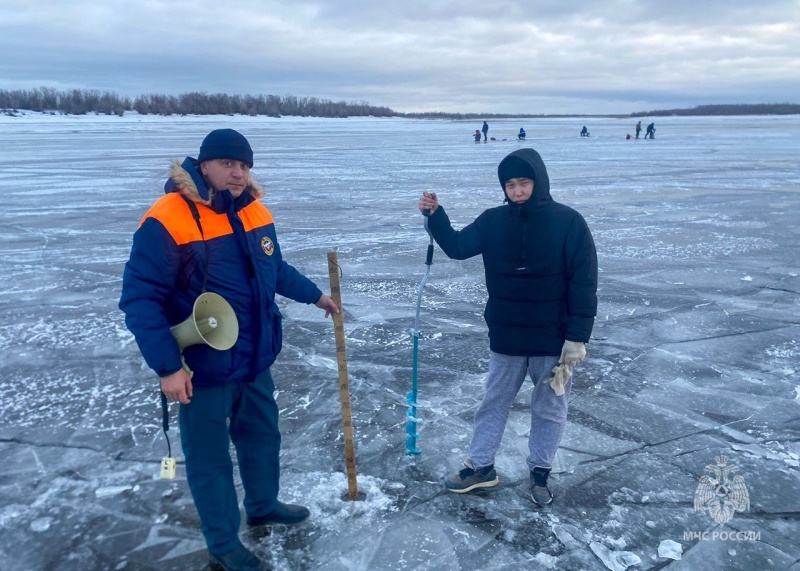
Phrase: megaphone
(212, 322)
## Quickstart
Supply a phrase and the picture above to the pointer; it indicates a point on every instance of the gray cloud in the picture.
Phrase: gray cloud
(503, 56)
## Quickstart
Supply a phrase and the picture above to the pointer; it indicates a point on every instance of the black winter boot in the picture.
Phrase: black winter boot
(240, 559)
(286, 514)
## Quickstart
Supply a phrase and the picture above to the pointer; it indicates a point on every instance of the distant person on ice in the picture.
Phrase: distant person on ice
(651, 131)
(541, 275)
(211, 232)
(584, 132)
(521, 135)
(638, 128)
(485, 130)
(477, 135)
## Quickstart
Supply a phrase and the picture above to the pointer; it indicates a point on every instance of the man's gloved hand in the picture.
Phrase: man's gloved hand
(561, 375)
(572, 353)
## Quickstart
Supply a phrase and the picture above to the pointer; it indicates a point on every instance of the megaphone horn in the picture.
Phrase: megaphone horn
(212, 322)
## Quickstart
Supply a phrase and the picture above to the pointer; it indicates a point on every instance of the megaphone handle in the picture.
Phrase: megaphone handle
(165, 424)
(186, 367)
(164, 412)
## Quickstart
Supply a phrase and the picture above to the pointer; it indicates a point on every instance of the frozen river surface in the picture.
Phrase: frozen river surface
(695, 353)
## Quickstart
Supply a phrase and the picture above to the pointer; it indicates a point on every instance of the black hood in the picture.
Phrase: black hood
(541, 182)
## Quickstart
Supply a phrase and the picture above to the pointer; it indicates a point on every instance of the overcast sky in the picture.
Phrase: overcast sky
(506, 56)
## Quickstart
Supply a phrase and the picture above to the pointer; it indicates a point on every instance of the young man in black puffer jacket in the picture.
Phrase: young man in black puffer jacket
(541, 276)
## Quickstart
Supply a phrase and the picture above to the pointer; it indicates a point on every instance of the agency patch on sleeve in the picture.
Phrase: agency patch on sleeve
(267, 246)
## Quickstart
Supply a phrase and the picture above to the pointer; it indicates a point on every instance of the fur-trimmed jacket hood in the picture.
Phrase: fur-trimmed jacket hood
(186, 179)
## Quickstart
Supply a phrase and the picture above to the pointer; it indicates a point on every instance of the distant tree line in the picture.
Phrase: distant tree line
(196, 103)
(73, 102)
(467, 116)
(739, 109)
(81, 101)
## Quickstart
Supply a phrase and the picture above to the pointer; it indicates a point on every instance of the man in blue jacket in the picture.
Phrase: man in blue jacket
(210, 232)
(541, 275)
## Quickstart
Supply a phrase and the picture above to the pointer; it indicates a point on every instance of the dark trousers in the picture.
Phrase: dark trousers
(246, 414)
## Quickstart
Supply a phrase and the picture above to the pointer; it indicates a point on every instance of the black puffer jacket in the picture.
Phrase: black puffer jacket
(541, 268)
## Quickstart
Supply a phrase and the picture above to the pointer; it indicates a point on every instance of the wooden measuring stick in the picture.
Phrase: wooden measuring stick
(344, 383)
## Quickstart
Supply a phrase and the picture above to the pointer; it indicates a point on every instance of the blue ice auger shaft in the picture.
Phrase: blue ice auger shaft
(411, 414)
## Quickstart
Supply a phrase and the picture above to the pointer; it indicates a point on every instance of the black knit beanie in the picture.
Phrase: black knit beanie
(226, 144)
(514, 167)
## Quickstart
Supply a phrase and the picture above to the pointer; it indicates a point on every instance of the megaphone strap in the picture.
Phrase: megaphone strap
(196, 216)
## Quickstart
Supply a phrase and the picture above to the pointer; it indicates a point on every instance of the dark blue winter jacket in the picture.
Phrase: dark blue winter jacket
(540, 264)
(168, 261)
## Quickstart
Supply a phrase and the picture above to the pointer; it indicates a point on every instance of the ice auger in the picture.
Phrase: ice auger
(411, 414)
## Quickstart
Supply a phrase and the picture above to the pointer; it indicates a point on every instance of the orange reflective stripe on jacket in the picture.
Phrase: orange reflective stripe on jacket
(255, 215)
(175, 215)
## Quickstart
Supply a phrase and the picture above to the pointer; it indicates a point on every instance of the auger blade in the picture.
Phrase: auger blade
(411, 445)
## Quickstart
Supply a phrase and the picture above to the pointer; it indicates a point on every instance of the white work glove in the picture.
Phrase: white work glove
(561, 375)
(572, 353)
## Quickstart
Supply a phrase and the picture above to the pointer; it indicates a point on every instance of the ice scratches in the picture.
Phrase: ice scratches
(182, 548)
(473, 515)
(605, 458)
(781, 289)
(722, 336)
(582, 439)
(58, 445)
(611, 460)
(414, 501)
(630, 498)
(723, 419)
(587, 420)
(116, 457)
(608, 462)
(39, 463)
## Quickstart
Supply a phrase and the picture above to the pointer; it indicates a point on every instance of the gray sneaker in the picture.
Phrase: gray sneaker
(540, 491)
(469, 479)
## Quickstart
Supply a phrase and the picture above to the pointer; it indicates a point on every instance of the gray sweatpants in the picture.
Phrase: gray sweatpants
(548, 411)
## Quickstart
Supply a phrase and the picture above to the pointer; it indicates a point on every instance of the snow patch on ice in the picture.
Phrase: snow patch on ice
(11, 512)
(772, 450)
(323, 362)
(110, 491)
(670, 549)
(788, 350)
(567, 534)
(547, 561)
(618, 543)
(41, 524)
(614, 560)
(325, 494)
